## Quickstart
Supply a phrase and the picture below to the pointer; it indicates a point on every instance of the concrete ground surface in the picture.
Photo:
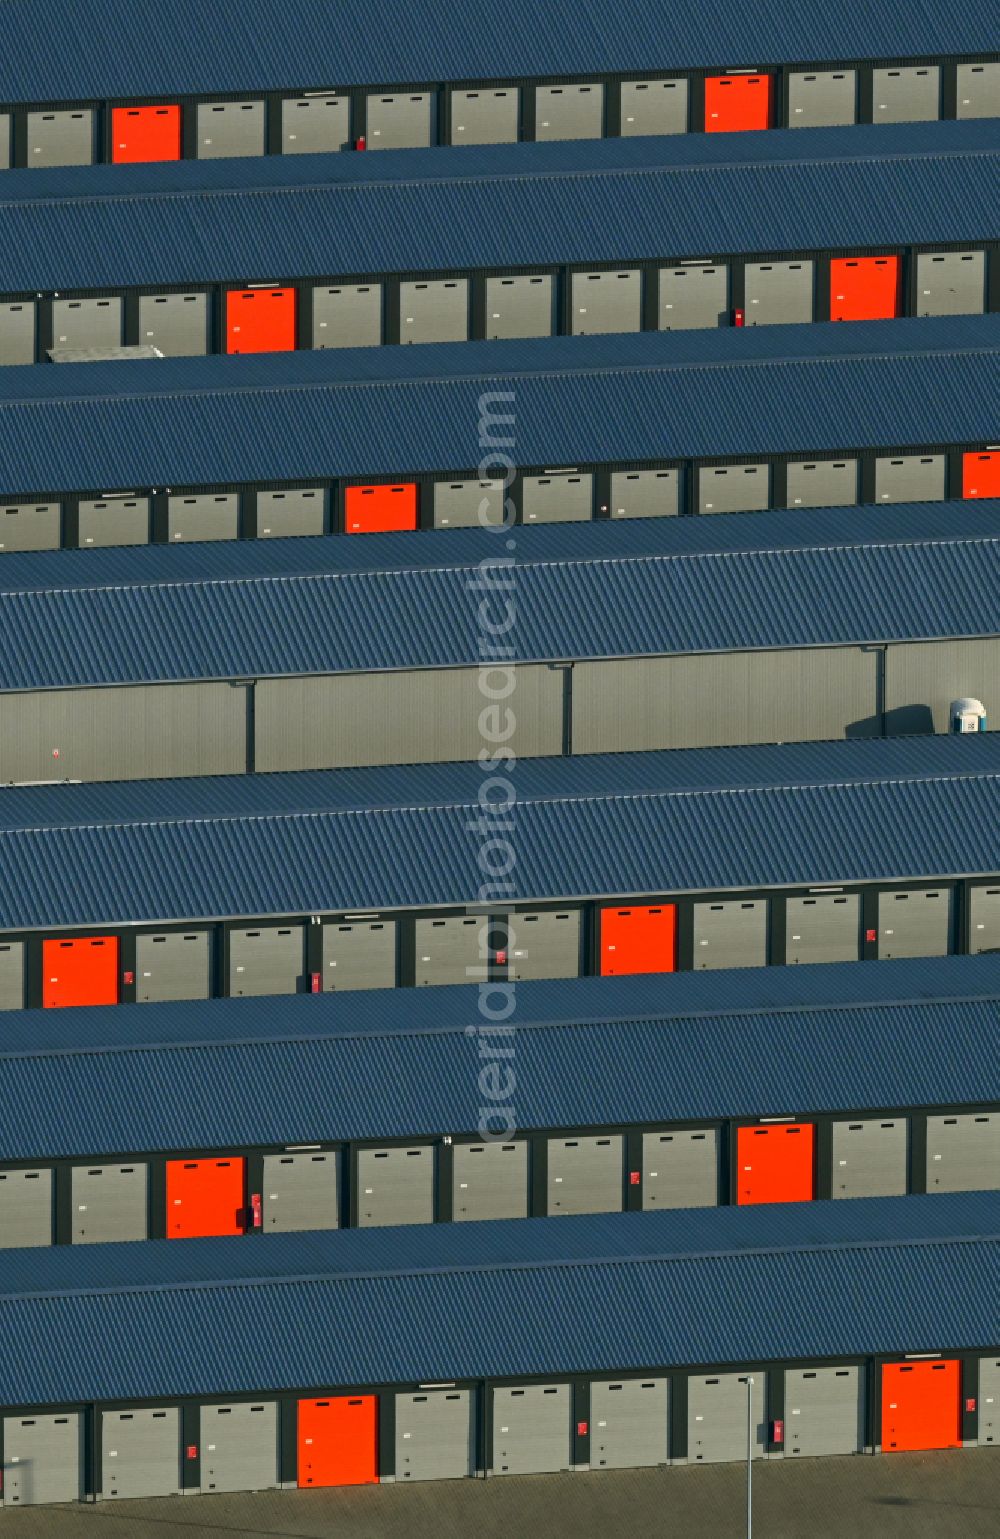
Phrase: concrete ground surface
(913, 1496)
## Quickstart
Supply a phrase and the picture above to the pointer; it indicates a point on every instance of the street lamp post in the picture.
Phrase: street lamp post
(749, 1455)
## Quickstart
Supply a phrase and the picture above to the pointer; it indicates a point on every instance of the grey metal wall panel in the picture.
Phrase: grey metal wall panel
(4, 141)
(30, 526)
(267, 959)
(395, 1186)
(347, 315)
(452, 949)
(545, 944)
(359, 954)
(569, 112)
(42, 1459)
(906, 95)
(731, 933)
(17, 332)
(490, 1180)
(916, 923)
(436, 310)
(585, 1174)
(173, 964)
(823, 927)
(107, 521)
(87, 322)
(435, 1435)
(175, 323)
(644, 493)
(717, 1417)
(923, 678)
(203, 516)
(606, 301)
(733, 488)
(487, 116)
(399, 122)
(779, 292)
(301, 1191)
(140, 1452)
(822, 484)
(869, 1158)
(951, 282)
(978, 91)
(145, 732)
(989, 1401)
(468, 504)
(963, 1152)
(532, 1429)
(239, 1447)
(110, 1202)
(295, 510)
(822, 98)
(315, 125)
(824, 1411)
(984, 920)
(520, 306)
(226, 129)
(11, 975)
(629, 1421)
(680, 1168)
(64, 138)
(910, 478)
(555, 499)
(25, 1208)
(653, 107)
(693, 297)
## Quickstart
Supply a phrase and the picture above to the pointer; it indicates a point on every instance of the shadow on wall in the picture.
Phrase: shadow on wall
(901, 721)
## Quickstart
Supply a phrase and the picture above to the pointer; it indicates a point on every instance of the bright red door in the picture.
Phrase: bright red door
(735, 102)
(80, 972)
(260, 321)
(981, 474)
(145, 133)
(865, 288)
(921, 1405)
(774, 1163)
(372, 509)
(338, 1441)
(638, 940)
(205, 1197)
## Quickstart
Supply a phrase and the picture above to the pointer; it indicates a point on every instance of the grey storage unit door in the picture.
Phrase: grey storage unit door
(557, 498)
(906, 95)
(532, 1429)
(821, 484)
(61, 138)
(978, 91)
(644, 493)
(173, 964)
(730, 934)
(203, 516)
(693, 297)
(395, 1186)
(140, 1453)
(606, 301)
(628, 1423)
(869, 1158)
(347, 315)
(87, 322)
(680, 1168)
(113, 521)
(11, 975)
(951, 282)
(42, 1459)
(267, 959)
(585, 1174)
(434, 311)
(451, 950)
(295, 510)
(989, 1400)
(717, 1417)
(545, 944)
(17, 332)
(910, 478)
(490, 1180)
(823, 927)
(778, 292)
(4, 140)
(822, 98)
(399, 122)
(487, 116)
(521, 306)
(468, 504)
(653, 107)
(110, 1202)
(359, 954)
(25, 1208)
(824, 1411)
(569, 112)
(175, 323)
(733, 488)
(984, 919)
(434, 1435)
(963, 1152)
(314, 125)
(301, 1190)
(915, 923)
(239, 1447)
(226, 129)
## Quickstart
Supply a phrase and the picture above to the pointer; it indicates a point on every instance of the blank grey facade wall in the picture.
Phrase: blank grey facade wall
(925, 677)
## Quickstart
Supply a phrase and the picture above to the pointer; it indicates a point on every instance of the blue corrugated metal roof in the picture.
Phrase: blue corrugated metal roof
(310, 216)
(546, 1296)
(599, 1052)
(348, 840)
(387, 411)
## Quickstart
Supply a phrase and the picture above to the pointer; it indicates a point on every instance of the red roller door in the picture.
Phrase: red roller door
(774, 1163)
(736, 102)
(260, 321)
(205, 1197)
(80, 972)
(638, 940)
(981, 474)
(145, 133)
(921, 1405)
(338, 1441)
(865, 288)
(372, 509)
